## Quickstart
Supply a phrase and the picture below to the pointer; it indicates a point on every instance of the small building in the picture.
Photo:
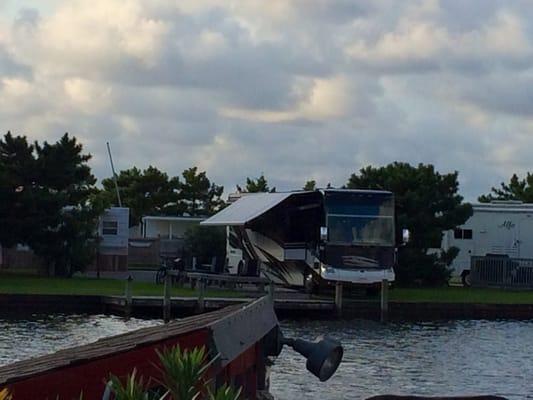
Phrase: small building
(166, 227)
(113, 231)
(503, 228)
(162, 237)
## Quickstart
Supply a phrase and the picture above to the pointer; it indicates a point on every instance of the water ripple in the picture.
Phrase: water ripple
(437, 358)
(431, 358)
(27, 337)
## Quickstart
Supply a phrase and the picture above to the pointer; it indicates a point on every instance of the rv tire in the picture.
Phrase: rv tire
(465, 278)
(310, 285)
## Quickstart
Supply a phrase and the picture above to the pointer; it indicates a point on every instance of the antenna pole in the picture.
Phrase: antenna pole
(114, 174)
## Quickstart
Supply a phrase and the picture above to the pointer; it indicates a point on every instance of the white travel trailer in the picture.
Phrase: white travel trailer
(496, 228)
(308, 238)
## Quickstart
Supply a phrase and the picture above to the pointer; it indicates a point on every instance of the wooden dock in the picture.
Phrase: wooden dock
(150, 305)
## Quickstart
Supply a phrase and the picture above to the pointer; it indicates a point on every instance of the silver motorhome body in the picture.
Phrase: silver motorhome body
(497, 228)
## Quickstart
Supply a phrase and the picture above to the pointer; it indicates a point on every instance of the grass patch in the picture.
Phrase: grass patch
(461, 295)
(20, 284)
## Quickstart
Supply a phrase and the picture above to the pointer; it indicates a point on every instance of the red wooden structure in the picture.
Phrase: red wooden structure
(237, 334)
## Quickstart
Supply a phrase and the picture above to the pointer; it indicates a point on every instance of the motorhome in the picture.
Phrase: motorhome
(312, 237)
(503, 228)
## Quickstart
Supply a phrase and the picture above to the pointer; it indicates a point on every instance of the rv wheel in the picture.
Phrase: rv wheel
(465, 278)
(310, 285)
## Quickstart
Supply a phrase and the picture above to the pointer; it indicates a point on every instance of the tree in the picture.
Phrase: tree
(147, 192)
(427, 203)
(205, 242)
(516, 189)
(68, 240)
(18, 207)
(199, 195)
(258, 185)
(310, 185)
(49, 201)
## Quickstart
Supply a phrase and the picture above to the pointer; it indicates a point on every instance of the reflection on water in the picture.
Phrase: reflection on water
(30, 336)
(437, 358)
(459, 357)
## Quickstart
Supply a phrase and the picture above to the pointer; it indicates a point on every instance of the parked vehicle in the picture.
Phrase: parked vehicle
(499, 228)
(312, 237)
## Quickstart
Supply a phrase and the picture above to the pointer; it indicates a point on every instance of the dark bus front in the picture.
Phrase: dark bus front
(360, 242)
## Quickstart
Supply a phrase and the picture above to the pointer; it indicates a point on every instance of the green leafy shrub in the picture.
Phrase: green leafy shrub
(183, 377)
(183, 371)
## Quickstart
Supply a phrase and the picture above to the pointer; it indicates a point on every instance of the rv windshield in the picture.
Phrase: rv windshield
(360, 218)
(351, 229)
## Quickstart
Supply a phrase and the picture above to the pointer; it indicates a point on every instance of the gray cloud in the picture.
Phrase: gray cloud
(296, 90)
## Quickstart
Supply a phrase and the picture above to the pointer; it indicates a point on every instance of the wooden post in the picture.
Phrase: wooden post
(201, 296)
(338, 298)
(127, 295)
(271, 289)
(384, 300)
(166, 297)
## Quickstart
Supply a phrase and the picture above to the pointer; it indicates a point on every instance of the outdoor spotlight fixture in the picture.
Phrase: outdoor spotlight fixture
(323, 355)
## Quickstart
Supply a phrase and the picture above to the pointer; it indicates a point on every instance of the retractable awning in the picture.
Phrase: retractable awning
(247, 208)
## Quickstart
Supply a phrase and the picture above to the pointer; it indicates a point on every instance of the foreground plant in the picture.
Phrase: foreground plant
(183, 371)
(133, 389)
(183, 377)
(225, 392)
(5, 395)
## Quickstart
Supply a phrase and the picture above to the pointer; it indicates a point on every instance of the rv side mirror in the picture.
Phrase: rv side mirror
(323, 233)
(406, 236)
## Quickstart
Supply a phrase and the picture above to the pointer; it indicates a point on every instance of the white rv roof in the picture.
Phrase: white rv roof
(247, 208)
(503, 207)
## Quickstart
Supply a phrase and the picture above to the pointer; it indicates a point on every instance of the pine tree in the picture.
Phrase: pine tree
(516, 189)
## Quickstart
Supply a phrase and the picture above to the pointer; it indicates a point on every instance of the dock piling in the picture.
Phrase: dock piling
(166, 298)
(384, 300)
(127, 295)
(338, 298)
(201, 295)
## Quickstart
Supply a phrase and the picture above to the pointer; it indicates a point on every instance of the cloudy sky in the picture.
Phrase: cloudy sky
(294, 89)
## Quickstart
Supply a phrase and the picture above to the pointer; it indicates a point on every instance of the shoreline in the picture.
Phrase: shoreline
(151, 307)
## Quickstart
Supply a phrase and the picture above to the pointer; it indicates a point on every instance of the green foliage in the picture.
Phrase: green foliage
(206, 242)
(198, 194)
(516, 189)
(258, 185)
(134, 388)
(153, 192)
(183, 377)
(427, 203)
(225, 392)
(310, 185)
(147, 192)
(183, 372)
(48, 201)
(19, 192)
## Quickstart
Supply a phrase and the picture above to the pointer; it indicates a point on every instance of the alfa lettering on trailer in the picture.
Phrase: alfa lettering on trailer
(507, 225)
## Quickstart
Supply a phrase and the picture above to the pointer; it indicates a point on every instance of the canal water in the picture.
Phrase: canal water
(436, 358)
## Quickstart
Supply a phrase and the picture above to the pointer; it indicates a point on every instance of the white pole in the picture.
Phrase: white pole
(114, 174)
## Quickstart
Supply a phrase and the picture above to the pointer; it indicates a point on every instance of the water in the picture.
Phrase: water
(33, 335)
(437, 358)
